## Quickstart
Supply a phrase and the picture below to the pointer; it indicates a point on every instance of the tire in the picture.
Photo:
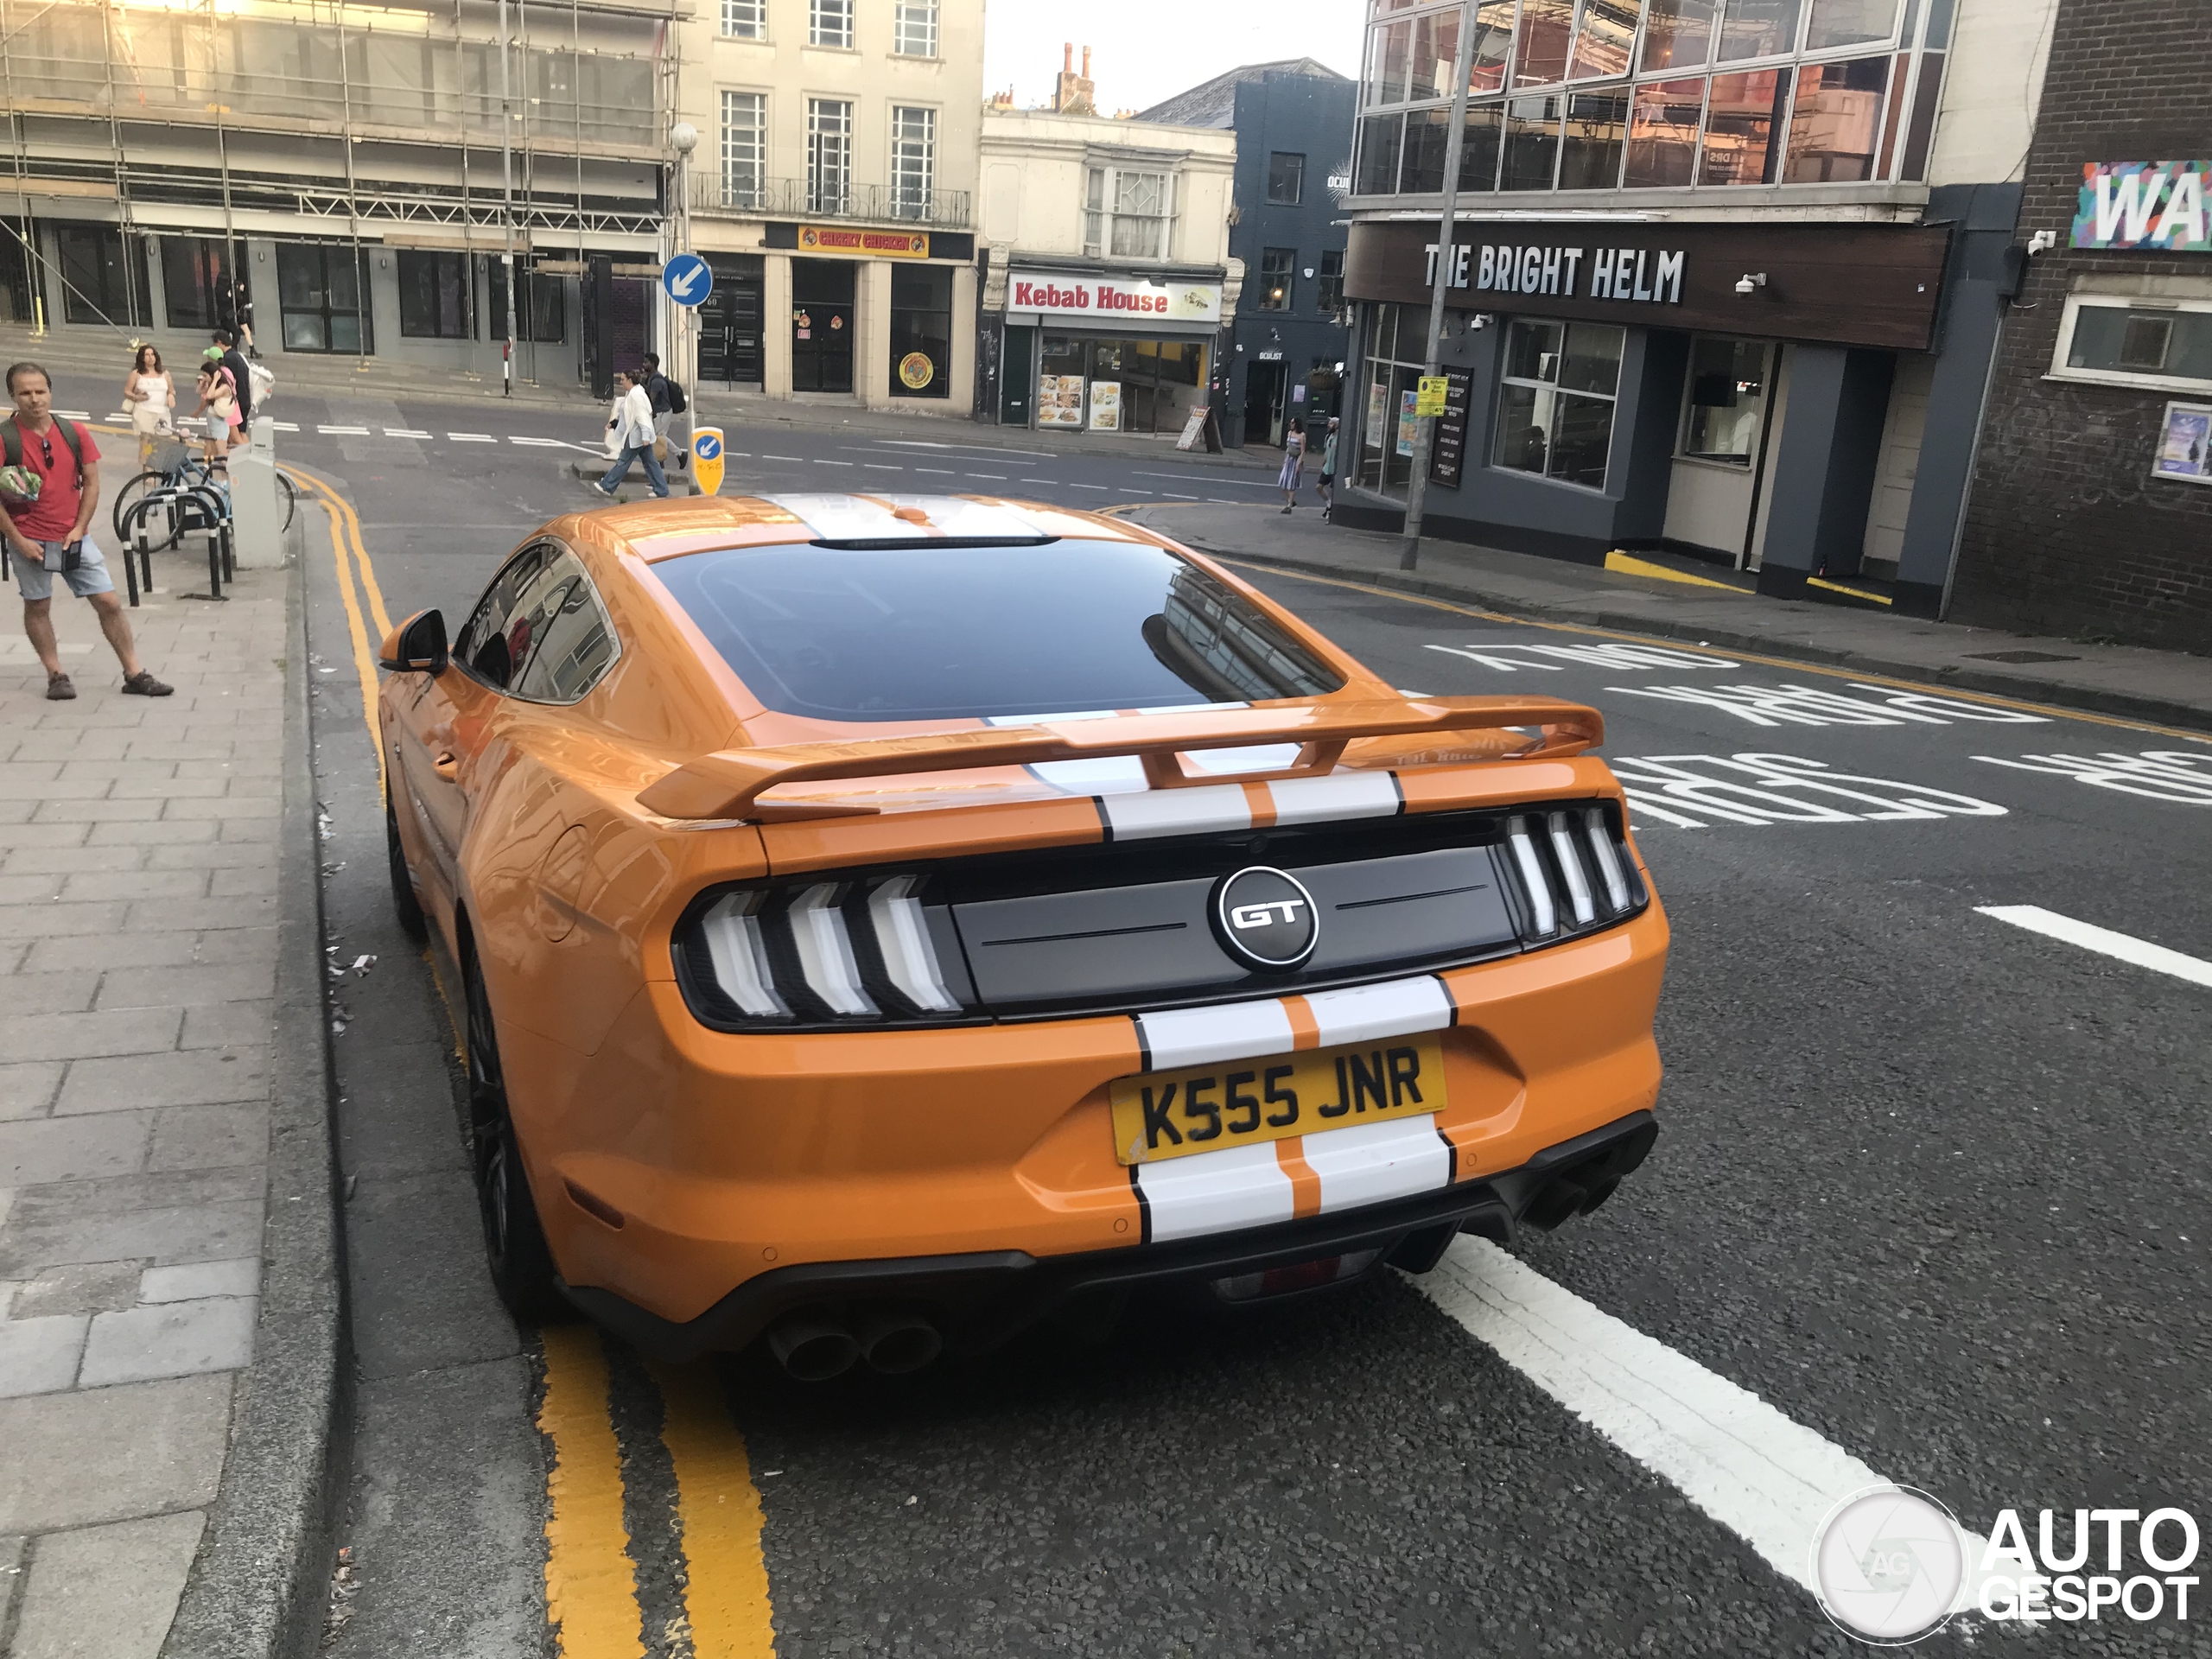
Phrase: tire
(514, 1242)
(404, 905)
(129, 496)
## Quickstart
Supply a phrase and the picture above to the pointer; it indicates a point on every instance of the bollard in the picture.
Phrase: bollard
(230, 553)
(214, 563)
(130, 575)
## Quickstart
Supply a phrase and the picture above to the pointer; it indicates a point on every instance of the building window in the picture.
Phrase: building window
(829, 154)
(195, 272)
(913, 160)
(744, 148)
(745, 20)
(829, 23)
(434, 296)
(2164, 344)
(1555, 407)
(103, 276)
(1329, 292)
(1285, 178)
(913, 28)
(921, 331)
(1276, 276)
(541, 309)
(1655, 94)
(1128, 215)
(1727, 401)
(322, 290)
(1392, 364)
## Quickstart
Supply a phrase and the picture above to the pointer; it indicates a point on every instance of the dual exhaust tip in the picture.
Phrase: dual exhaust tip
(815, 1345)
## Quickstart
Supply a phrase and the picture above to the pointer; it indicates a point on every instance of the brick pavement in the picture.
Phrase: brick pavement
(138, 900)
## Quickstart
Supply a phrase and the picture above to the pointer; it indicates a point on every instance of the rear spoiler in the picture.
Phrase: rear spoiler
(728, 784)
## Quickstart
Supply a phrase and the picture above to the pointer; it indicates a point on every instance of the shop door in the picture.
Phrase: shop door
(1264, 385)
(1720, 446)
(1017, 368)
(822, 325)
(729, 332)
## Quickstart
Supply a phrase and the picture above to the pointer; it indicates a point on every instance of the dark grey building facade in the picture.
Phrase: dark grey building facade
(1285, 351)
(1726, 280)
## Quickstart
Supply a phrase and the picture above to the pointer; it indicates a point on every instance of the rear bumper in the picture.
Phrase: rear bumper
(979, 1300)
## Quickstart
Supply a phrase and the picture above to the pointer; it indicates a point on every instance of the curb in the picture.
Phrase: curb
(1996, 683)
(259, 1585)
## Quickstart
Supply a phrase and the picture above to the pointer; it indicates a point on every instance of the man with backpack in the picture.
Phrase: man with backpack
(49, 489)
(668, 402)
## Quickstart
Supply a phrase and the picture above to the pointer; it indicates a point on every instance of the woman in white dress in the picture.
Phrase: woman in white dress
(150, 395)
(1293, 462)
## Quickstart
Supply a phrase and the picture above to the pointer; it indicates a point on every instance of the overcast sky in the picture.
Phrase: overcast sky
(1142, 51)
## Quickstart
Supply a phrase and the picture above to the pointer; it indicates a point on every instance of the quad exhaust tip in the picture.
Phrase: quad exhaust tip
(814, 1345)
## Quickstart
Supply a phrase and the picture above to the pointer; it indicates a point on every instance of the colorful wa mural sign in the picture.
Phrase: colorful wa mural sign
(2143, 205)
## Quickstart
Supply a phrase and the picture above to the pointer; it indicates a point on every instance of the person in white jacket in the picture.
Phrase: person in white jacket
(630, 437)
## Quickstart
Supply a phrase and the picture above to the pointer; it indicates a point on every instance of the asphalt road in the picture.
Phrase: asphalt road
(1932, 1186)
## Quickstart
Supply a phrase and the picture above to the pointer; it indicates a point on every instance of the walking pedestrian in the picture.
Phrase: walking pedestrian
(1328, 485)
(49, 489)
(630, 437)
(1293, 462)
(241, 387)
(150, 397)
(668, 401)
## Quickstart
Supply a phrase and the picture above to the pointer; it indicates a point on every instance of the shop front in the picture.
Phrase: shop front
(1088, 351)
(1752, 394)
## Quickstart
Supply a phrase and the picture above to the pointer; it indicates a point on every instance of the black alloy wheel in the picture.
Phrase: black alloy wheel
(405, 905)
(514, 1244)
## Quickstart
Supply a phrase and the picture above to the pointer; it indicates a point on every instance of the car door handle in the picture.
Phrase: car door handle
(445, 764)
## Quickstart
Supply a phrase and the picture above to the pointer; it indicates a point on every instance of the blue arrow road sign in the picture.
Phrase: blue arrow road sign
(706, 446)
(687, 278)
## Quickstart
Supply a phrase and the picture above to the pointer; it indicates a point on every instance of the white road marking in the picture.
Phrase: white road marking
(538, 443)
(1137, 492)
(1692, 791)
(1768, 1479)
(783, 457)
(2178, 775)
(1174, 495)
(1218, 483)
(1810, 705)
(881, 466)
(2102, 940)
(404, 432)
(737, 455)
(1507, 658)
(471, 437)
(343, 431)
(1091, 486)
(983, 448)
(820, 463)
(939, 471)
(996, 477)
(114, 414)
(72, 414)
(284, 426)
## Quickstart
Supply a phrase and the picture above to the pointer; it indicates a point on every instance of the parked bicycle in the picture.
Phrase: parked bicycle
(179, 471)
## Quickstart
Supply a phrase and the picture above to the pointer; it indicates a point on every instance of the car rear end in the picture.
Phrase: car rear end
(1245, 999)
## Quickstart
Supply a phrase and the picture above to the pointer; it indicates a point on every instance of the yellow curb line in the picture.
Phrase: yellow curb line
(1622, 564)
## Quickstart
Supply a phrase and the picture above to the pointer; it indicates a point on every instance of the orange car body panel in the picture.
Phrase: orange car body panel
(727, 1155)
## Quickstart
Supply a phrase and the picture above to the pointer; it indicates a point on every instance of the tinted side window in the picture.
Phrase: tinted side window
(483, 647)
(570, 642)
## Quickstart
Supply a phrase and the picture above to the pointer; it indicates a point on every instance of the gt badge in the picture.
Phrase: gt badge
(1265, 919)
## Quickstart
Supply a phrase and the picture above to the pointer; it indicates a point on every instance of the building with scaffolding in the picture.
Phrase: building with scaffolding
(353, 180)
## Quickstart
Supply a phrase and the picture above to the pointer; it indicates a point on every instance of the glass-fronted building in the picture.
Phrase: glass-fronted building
(1725, 276)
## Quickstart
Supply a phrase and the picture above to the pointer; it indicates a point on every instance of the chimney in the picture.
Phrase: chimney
(1067, 57)
(1072, 93)
(1086, 63)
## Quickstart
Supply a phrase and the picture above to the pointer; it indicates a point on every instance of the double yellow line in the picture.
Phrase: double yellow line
(347, 547)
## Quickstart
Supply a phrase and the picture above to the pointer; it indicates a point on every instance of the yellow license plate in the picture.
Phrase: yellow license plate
(1240, 1103)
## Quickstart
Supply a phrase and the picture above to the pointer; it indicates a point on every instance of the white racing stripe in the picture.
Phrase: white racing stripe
(1396, 1008)
(1214, 1193)
(2102, 940)
(1370, 1163)
(1228, 1030)
(1176, 812)
(1339, 795)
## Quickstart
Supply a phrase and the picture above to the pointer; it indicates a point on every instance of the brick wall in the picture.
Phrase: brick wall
(2067, 531)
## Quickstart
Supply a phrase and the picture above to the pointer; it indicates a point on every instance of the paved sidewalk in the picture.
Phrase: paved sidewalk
(139, 951)
(2171, 687)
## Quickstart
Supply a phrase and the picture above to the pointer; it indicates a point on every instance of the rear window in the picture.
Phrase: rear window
(933, 631)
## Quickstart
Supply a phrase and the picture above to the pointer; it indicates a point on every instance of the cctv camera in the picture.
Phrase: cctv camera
(1751, 283)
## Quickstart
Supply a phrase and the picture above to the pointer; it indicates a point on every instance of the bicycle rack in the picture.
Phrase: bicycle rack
(187, 508)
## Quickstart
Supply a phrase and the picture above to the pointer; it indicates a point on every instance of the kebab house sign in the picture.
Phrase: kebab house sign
(1113, 299)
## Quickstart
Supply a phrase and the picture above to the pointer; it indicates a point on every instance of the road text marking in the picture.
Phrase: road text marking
(2102, 940)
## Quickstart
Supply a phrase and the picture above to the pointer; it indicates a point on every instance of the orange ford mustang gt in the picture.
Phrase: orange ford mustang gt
(886, 921)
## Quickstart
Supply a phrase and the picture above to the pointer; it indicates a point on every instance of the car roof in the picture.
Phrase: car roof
(664, 529)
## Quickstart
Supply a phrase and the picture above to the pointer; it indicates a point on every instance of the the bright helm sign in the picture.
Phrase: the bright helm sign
(1265, 919)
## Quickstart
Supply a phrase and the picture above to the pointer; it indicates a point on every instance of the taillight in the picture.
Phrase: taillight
(850, 952)
(1574, 872)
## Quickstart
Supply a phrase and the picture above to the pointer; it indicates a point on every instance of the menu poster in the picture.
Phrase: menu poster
(1378, 401)
(1448, 443)
(1060, 400)
(1408, 422)
(2185, 444)
(1105, 405)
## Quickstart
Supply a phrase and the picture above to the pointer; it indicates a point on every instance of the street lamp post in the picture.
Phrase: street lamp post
(507, 204)
(684, 138)
(1432, 365)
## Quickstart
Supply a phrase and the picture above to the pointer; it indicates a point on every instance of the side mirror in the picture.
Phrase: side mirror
(416, 645)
